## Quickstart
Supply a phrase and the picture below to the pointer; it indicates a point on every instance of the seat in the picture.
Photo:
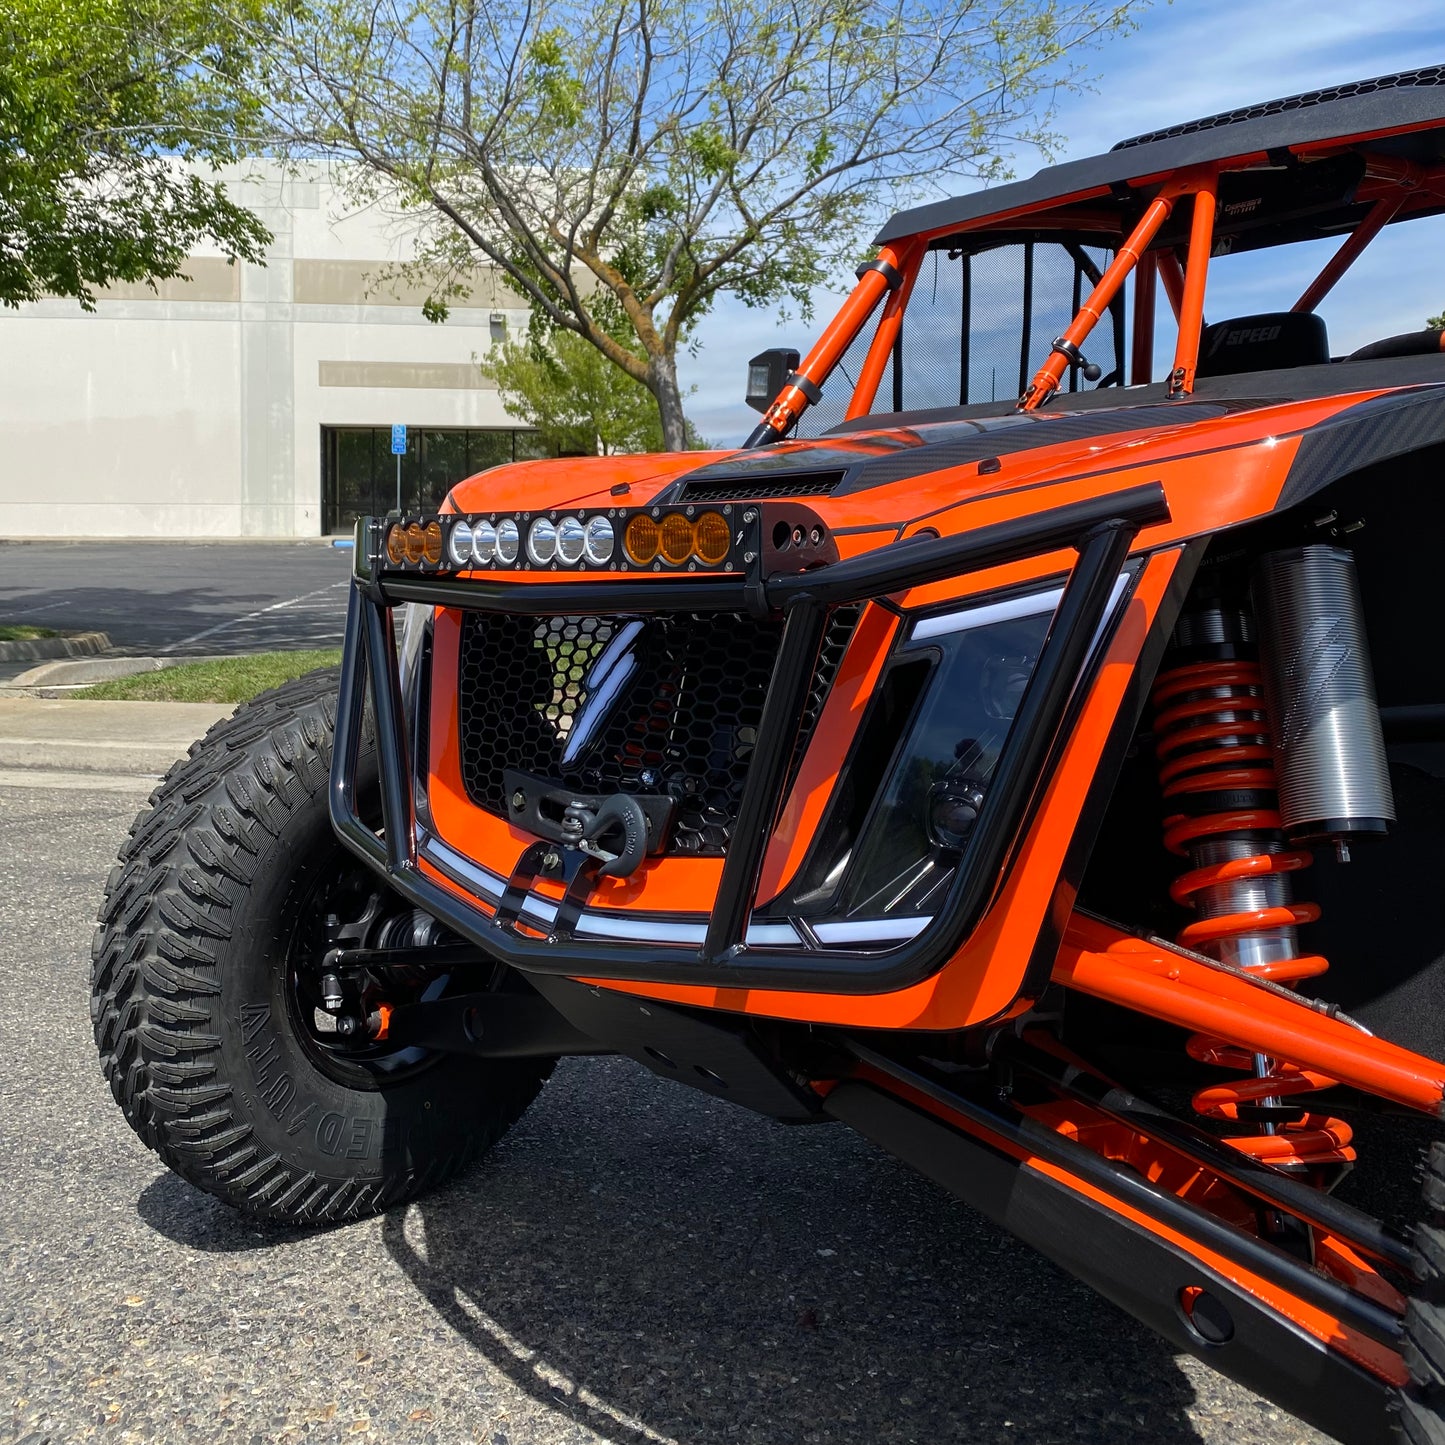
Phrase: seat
(1271, 341)
(1430, 342)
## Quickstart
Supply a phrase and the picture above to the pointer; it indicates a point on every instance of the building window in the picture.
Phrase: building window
(359, 473)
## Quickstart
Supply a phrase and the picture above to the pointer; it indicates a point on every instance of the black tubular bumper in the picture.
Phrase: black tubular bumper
(1100, 529)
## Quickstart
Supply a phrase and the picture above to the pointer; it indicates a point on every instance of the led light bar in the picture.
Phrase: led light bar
(659, 539)
(732, 538)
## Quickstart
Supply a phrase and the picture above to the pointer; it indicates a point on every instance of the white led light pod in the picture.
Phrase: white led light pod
(459, 544)
(541, 542)
(484, 542)
(570, 541)
(599, 541)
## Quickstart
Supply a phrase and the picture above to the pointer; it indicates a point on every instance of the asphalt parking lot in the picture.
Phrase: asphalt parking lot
(179, 599)
(634, 1264)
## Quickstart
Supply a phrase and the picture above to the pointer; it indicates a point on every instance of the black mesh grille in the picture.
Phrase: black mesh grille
(676, 701)
(1429, 75)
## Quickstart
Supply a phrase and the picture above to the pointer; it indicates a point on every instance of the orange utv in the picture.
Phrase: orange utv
(1027, 749)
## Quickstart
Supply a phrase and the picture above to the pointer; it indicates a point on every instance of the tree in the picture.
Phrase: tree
(98, 99)
(630, 162)
(574, 397)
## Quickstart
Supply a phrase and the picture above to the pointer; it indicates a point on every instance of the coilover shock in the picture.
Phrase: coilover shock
(1216, 760)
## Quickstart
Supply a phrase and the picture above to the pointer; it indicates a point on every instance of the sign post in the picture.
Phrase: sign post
(398, 450)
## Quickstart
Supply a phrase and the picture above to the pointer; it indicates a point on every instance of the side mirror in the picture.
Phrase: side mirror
(767, 372)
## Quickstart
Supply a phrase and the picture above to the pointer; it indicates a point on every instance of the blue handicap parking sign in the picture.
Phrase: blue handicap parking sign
(398, 439)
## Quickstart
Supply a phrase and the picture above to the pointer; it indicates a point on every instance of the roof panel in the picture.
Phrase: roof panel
(1410, 100)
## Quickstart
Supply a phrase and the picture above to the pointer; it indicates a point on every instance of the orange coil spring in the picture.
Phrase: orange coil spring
(1212, 735)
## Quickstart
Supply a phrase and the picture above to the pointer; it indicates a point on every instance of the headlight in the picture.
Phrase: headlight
(899, 829)
(508, 540)
(711, 539)
(541, 542)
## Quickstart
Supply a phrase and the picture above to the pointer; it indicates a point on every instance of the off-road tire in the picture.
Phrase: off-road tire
(188, 991)
(1421, 1405)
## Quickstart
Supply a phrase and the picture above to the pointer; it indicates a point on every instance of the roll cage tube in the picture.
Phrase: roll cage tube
(1100, 529)
(1391, 186)
(1068, 349)
(887, 272)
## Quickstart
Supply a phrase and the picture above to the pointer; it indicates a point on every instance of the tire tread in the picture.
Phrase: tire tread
(156, 973)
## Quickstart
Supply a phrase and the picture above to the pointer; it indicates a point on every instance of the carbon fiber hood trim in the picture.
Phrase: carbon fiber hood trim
(877, 458)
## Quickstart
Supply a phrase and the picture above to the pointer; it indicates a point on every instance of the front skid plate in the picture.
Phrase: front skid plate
(1135, 1268)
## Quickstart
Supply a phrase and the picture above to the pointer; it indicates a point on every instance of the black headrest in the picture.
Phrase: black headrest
(1271, 341)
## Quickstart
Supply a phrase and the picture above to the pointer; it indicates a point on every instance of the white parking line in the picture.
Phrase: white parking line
(251, 616)
(31, 611)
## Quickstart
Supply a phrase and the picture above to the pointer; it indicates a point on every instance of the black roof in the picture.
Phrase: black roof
(1414, 98)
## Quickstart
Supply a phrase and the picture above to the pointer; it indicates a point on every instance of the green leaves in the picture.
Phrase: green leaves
(558, 90)
(579, 402)
(710, 150)
(95, 98)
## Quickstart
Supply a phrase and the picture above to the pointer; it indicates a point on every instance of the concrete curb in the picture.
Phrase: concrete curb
(77, 644)
(58, 744)
(81, 672)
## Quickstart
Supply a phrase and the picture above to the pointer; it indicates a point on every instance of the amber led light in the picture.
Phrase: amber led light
(396, 545)
(431, 543)
(415, 543)
(641, 540)
(676, 538)
(711, 536)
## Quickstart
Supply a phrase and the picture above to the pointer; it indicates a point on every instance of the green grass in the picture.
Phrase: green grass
(231, 679)
(24, 632)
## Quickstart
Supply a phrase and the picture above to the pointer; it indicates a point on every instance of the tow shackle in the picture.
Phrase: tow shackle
(614, 833)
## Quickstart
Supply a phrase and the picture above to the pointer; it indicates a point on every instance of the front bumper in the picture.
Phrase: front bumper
(731, 954)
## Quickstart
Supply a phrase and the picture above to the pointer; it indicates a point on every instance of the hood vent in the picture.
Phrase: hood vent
(764, 489)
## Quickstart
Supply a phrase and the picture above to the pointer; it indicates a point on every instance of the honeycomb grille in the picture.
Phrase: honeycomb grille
(665, 705)
(1430, 75)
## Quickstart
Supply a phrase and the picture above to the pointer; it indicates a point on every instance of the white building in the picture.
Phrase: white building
(251, 401)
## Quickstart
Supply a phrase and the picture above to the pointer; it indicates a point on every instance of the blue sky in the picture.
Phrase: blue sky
(1189, 59)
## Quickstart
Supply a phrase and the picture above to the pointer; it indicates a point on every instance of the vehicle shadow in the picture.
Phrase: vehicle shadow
(655, 1264)
(195, 1220)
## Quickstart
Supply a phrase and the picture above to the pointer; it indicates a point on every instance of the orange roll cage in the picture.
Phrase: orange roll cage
(1391, 187)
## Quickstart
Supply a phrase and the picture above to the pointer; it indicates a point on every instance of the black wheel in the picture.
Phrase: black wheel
(208, 1001)
(1421, 1405)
